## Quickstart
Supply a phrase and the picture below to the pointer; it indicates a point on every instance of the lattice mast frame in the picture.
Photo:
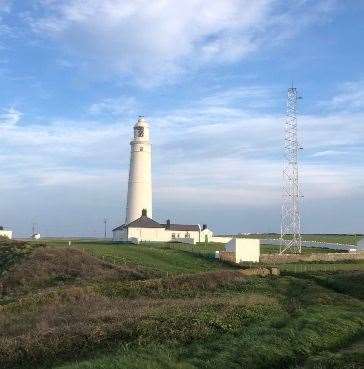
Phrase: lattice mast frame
(291, 240)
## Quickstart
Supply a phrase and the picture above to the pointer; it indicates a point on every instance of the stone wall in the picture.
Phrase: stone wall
(227, 256)
(293, 258)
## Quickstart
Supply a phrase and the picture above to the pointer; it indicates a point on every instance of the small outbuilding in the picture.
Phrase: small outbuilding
(6, 233)
(245, 249)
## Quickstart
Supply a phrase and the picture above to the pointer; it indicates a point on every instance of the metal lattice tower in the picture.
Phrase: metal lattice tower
(290, 218)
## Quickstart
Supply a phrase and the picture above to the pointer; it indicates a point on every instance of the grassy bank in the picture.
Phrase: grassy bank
(101, 305)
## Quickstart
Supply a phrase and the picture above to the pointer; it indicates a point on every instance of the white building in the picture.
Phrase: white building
(6, 233)
(245, 249)
(146, 229)
(139, 225)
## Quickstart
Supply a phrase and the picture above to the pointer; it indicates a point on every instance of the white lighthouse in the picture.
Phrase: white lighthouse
(139, 224)
(140, 173)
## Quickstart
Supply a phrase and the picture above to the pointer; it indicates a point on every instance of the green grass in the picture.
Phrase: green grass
(299, 321)
(161, 258)
(174, 306)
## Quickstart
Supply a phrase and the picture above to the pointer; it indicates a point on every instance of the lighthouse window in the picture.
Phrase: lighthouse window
(141, 149)
(139, 131)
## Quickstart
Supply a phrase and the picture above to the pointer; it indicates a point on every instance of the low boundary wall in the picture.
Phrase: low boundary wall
(227, 256)
(221, 239)
(294, 258)
(319, 244)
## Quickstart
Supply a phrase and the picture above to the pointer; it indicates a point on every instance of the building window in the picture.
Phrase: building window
(173, 235)
(141, 148)
(187, 235)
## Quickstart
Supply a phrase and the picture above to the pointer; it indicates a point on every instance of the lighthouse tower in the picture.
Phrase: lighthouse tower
(140, 173)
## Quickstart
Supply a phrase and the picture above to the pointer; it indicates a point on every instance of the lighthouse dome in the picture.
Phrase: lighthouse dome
(141, 129)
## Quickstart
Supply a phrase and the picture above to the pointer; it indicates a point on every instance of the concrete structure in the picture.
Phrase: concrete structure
(140, 173)
(6, 233)
(139, 225)
(245, 249)
(146, 229)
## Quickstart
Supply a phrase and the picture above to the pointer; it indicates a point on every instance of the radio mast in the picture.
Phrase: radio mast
(291, 240)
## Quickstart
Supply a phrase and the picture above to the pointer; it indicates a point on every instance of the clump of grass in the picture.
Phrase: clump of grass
(12, 252)
(182, 285)
(81, 321)
(346, 282)
(53, 267)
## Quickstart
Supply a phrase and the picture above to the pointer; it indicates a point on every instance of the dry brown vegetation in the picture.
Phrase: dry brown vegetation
(189, 284)
(61, 304)
(52, 267)
(78, 319)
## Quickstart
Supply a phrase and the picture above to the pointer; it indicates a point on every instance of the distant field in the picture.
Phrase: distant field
(102, 305)
(349, 239)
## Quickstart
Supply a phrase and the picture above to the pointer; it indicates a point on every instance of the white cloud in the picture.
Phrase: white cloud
(114, 106)
(328, 153)
(203, 155)
(350, 97)
(9, 118)
(154, 41)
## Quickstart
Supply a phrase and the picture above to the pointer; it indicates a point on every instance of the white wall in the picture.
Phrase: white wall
(221, 239)
(246, 249)
(140, 174)
(161, 235)
(148, 234)
(206, 233)
(120, 235)
(8, 234)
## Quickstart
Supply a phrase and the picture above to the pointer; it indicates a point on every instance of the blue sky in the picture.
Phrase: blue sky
(211, 77)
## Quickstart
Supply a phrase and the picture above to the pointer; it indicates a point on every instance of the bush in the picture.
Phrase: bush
(11, 252)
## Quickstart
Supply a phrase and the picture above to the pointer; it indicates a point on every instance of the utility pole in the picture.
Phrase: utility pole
(291, 240)
(105, 227)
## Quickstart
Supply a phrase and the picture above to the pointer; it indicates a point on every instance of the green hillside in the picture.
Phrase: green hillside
(104, 305)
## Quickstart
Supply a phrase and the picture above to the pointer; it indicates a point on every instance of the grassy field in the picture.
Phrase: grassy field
(103, 305)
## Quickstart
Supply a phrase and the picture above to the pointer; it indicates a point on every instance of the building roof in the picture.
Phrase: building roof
(119, 228)
(144, 222)
(182, 227)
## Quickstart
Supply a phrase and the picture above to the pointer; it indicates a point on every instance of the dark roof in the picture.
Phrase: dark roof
(182, 227)
(119, 228)
(145, 222)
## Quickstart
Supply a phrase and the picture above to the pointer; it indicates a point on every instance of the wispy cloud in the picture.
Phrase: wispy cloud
(204, 154)
(156, 41)
(350, 97)
(114, 106)
(9, 117)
